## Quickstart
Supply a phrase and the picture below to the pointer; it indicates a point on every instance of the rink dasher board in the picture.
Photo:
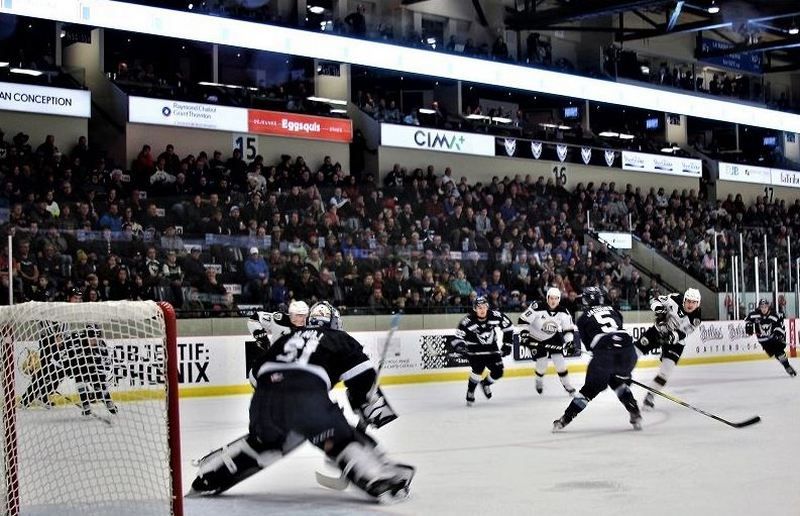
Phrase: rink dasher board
(218, 365)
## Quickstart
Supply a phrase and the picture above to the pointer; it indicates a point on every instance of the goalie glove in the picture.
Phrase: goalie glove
(376, 411)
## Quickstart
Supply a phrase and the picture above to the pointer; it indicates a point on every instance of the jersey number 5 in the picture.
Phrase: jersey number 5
(606, 322)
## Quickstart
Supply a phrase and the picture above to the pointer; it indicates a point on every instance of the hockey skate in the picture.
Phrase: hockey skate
(487, 389)
(539, 385)
(470, 398)
(790, 370)
(636, 420)
(571, 391)
(649, 401)
(560, 423)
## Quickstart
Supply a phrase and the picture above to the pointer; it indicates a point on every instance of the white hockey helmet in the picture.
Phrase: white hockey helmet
(298, 308)
(553, 292)
(692, 294)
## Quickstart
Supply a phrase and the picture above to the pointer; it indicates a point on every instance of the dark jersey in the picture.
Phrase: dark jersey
(52, 352)
(765, 327)
(600, 327)
(88, 358)
(483, 336)
(332, 355)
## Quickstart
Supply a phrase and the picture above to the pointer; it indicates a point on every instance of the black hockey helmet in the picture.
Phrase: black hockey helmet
(592, 296)
(75, 293)
(763, 302)
(480, 300)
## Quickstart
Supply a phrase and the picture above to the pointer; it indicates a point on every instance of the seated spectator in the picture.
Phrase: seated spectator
(256, 272)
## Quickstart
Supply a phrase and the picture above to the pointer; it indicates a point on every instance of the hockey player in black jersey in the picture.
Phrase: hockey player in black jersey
(549, 332)
(767, 325)
(677, 316)
(291, 405)
(49, 368)
(477, 337)
(89, 365)
(613, 358)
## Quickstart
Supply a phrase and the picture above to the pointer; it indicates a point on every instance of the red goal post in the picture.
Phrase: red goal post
(120, 457)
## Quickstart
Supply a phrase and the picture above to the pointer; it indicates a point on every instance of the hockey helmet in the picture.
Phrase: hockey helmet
(479, 301)
(75, 295)
(592, 296)
(324, 315)
(692, 295)
(298, 308)
(762, 302)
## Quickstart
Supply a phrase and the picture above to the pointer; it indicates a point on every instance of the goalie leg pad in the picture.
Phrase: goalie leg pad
(373, 474)
(236, 461)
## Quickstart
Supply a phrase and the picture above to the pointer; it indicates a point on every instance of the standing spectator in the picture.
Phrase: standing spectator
(357, 22)
(256, 272)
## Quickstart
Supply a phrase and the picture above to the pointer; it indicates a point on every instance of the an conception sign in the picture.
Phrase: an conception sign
(45, 100)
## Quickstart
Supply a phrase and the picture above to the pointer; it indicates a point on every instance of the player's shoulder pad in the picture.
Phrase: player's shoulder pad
(465, 321)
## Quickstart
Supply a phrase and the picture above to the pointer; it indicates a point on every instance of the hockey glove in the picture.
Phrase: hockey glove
(376, 411)
(460, 348)
(526, 340)
(749, 328)
(505, 349)
(568, 338)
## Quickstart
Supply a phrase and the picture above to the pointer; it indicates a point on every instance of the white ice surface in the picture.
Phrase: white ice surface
(500, 456)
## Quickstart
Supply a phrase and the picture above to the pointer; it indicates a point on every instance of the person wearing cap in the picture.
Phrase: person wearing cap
(677, 316)
(767, 325)
(476, 338)
(256, 272)
(75, 295)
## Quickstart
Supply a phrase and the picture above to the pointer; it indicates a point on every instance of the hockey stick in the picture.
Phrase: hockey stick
(341, 482)
(753, 420)
(91, 412)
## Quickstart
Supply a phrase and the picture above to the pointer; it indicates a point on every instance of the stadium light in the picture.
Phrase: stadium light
(793, 30)
(26, 71)
(624, 136)
(3, 64)
(713, 8)
(477, 117)
(609, 134)
(316, 9)
(501, 120)
(426, 111)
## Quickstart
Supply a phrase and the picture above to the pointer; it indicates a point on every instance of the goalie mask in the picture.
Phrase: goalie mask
(325, 315)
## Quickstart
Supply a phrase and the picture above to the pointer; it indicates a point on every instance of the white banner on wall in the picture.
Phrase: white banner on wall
(45, 100)
(743, 173)
(187, 114)
(616, 240)
(658, 164)
(423, 138)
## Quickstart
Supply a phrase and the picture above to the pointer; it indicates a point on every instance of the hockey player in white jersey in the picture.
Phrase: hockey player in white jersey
(767, 325)
(274, 324)
(677, 316)
(549, 331)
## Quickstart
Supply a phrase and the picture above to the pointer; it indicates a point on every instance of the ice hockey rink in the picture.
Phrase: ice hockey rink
(500, 456)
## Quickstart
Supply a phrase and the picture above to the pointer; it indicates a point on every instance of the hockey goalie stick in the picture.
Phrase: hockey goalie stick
(341, 482)
(753, 420)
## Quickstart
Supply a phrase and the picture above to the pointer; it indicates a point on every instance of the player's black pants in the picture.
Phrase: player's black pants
(773, 347)
(297, 402)
(493, 362)
(44, 382)
(605, 368)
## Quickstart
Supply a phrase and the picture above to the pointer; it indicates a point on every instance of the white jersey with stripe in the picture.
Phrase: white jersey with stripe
(544, 323)
(677, 321)
(276, 324)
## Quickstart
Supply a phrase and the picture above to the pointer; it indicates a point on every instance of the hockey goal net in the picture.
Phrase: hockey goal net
(121, 456)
